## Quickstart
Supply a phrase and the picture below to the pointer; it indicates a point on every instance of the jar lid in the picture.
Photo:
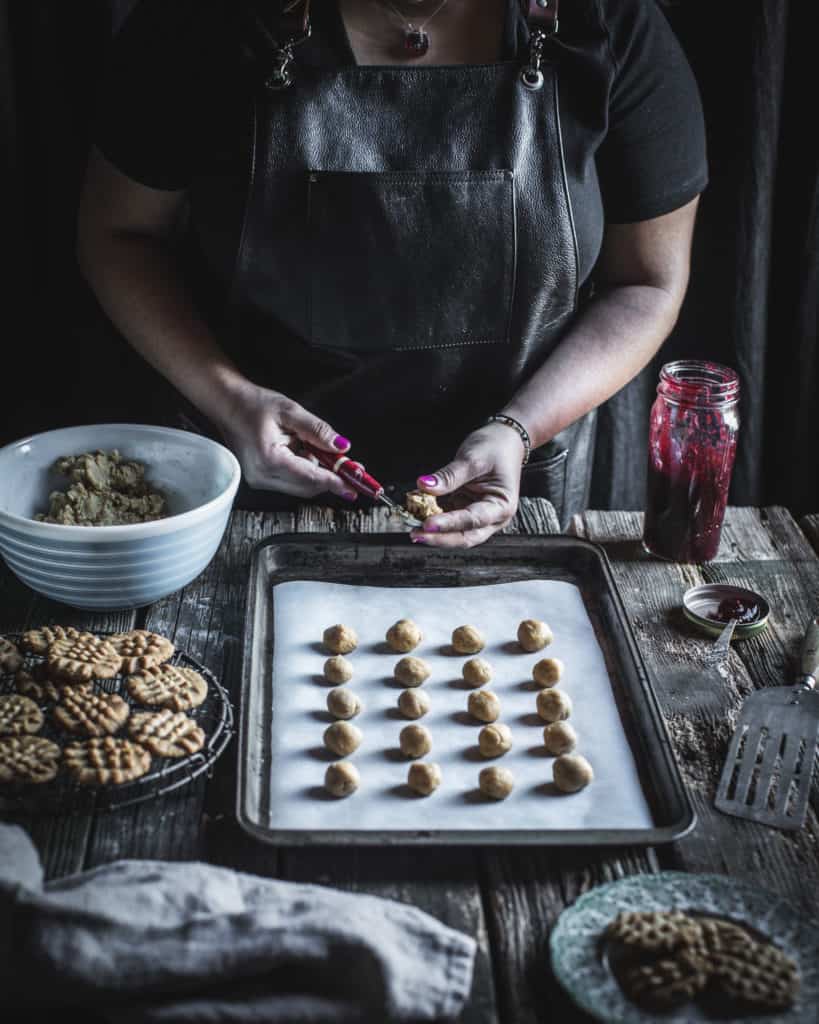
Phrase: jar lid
(701, 606)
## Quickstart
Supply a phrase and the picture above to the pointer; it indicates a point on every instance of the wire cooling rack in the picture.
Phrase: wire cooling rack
(64, 796)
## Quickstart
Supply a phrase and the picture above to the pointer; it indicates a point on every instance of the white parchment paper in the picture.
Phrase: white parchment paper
(302, 610)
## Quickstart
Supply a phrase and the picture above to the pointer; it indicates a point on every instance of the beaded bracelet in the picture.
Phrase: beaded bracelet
(519, 427)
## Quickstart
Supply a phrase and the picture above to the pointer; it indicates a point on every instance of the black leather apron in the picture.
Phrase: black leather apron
(408, 258)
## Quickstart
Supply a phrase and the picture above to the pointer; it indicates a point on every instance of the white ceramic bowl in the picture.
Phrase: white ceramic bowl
(113, 567)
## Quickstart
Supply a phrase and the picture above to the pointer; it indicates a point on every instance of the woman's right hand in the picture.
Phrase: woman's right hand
(263, 428)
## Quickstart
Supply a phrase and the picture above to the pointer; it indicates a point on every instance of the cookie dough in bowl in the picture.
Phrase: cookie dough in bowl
(112, 567)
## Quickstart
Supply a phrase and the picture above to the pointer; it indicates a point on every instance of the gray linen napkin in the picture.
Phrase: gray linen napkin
(156, 941)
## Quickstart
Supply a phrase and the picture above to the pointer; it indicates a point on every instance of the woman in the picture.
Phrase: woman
(445, 230)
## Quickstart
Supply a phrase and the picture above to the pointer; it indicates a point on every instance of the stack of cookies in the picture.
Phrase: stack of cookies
(666, 958)
(59, 674)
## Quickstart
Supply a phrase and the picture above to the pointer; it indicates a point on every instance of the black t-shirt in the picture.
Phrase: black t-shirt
(176, 100)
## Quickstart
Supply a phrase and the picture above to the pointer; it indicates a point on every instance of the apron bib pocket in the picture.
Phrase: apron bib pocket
(419, 260)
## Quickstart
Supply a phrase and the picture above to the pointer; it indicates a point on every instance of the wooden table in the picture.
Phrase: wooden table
(507, 899)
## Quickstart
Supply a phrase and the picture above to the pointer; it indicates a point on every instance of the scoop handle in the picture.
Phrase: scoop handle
(810, 649)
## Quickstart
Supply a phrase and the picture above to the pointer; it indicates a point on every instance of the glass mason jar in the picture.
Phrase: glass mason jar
(692, 442)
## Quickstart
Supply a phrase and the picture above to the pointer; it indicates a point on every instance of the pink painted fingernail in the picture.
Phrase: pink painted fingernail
(429, 481)
(417, 539)
(431, 527)
(349, 495)
(340, 442)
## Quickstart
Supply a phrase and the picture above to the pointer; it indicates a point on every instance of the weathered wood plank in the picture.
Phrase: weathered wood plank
(810, 527)
(701, 707)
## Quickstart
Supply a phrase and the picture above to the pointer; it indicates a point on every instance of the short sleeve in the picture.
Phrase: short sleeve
(147, 119)
(653, 157)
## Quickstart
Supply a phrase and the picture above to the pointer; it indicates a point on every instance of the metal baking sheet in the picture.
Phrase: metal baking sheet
(300, 584)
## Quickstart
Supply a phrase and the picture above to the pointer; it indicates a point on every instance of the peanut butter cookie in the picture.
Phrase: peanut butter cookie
(34, 682)
(91, 714)
(28, 759)
(19, 715)
(81, 658)
(37, 640)
(10, 657)
(166, 733)
(105, 759)
(139, 648)
(168, 686)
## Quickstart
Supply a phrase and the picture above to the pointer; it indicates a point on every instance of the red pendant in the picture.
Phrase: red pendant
(416, 42)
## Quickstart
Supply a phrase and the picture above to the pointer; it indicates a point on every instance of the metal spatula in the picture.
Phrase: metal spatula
(767, 773)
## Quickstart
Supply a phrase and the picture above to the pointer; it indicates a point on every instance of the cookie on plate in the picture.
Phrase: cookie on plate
(168, 686)
(103, 759)
(754, 973)
(655, 931)
(139, 648)
(28, 759)
(80, 710)
(10, 657)
(19, 715)
(166, 733)
(81, 658)
(666, 982)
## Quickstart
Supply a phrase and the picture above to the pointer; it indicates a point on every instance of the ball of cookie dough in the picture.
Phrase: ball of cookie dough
(338, 670)
(477, 671)
(415, 741)
(422, 505)
(496, 782)
(411, 671)
(559, 738)
(403, 636)
(572, 772)
(424, 777)
(341, 778)
(342, 738)
(553, 705)
(494, 740)
(343, 703)
(484, 705)
(467, 640)
(413, 703)
(534, 635)
(340, 639)
(547, 672)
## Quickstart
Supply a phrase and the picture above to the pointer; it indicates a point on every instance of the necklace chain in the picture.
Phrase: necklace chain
(409, 24)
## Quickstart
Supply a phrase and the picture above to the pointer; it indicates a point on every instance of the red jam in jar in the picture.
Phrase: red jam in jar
(692, 442)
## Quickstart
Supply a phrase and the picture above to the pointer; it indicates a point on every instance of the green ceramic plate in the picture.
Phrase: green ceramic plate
(698, 602)
(580, 962)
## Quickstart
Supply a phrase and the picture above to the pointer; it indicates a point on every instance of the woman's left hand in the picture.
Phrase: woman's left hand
(484, 480)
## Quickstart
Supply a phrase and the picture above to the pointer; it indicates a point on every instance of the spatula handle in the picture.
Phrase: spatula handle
(810, 649)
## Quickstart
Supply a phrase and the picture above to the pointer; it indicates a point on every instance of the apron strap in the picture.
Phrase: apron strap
(541, 17)
(541, 14)
(272, 44)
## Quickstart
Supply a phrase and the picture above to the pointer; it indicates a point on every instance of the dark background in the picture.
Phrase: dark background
(753, 301)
